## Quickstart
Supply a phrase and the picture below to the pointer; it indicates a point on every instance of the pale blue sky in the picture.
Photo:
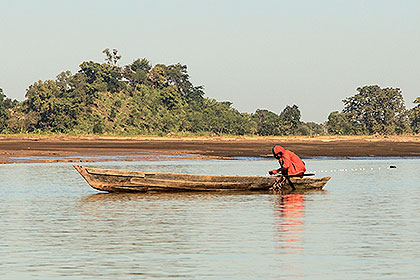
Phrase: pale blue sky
(256, 54)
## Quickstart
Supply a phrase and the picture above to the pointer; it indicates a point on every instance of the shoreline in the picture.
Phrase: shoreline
(34, 148)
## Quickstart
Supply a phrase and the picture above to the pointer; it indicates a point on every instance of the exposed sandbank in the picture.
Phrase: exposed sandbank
(81, 149)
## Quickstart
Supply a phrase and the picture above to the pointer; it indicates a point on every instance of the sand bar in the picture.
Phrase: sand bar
(82, 149)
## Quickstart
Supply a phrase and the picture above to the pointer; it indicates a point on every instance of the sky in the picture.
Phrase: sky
(257, 54)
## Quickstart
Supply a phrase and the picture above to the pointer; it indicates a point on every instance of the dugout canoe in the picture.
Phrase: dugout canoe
(110, 180)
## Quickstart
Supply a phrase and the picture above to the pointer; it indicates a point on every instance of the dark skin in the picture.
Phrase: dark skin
(276, 171)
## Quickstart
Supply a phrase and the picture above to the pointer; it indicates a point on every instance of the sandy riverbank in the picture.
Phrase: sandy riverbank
(78, 149)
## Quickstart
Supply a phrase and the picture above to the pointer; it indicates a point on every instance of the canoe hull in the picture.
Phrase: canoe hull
(136, 181)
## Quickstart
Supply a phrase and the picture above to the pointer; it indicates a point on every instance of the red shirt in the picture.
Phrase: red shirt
(292, 163)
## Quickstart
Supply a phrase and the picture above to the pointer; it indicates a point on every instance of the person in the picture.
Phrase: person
(290, 163)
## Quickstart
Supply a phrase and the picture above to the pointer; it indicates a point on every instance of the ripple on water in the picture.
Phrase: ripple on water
(364, 226)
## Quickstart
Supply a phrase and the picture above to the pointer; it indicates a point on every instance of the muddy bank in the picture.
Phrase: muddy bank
(77, 149)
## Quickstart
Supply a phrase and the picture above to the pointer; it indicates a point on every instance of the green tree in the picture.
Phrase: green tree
(112, 57)
(267, 122)
(414, 116)
(3, 111)
(312, 128)
(101, 77)
(157, 76)
(136, 72)
(341, 124)
(141, 98)
(171, 97)
(44, 98)
(289, 120)
(377, 110)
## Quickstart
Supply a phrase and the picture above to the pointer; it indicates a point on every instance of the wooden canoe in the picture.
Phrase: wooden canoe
(136, 181)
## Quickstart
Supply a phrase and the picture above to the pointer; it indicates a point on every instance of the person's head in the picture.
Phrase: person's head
(278, 151)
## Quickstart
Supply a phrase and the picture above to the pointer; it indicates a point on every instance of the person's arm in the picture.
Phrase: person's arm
(285, 163)
(274, 171)
(284, 172)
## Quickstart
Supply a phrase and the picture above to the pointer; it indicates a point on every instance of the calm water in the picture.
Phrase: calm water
(365, 225)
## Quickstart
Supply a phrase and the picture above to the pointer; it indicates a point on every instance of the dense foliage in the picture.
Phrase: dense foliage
(373, 110)
(6, 106)
(414, 117)
(138, 98)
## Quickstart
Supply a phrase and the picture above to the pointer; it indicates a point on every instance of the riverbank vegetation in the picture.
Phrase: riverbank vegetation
(142, 99)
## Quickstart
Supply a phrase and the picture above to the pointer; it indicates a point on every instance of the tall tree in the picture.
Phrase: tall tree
(377, 110)
(267, 122)
(112, 57)
(414, 116)
(101, 77)
(136, 72)
(341, 124)
(289, 120)
(157, 76)
(52, 110)
(3, 112)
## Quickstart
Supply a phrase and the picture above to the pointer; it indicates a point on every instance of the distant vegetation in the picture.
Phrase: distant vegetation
(138, 98)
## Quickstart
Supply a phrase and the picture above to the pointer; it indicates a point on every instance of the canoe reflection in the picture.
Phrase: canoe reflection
(127, 196)
(290, 222)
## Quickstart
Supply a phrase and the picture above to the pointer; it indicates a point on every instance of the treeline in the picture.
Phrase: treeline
(375, 110)
(138, 98)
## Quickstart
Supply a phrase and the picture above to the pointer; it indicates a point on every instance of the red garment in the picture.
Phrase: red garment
(290, 161)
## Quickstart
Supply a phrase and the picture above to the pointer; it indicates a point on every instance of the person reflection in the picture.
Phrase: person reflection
(290, 225)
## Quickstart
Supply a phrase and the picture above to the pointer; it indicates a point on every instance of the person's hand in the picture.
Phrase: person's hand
(273, 172)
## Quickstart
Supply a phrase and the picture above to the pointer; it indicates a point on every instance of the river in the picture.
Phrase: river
(365, 225)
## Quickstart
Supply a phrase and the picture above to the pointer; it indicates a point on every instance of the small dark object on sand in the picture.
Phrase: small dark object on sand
(392, 166)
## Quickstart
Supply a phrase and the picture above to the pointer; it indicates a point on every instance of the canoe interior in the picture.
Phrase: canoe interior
(136, 181)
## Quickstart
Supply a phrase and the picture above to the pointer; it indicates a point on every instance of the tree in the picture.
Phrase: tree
(3, 111)
(377, 110)
(312, 128)
(221, 118)
(101, 77)
(136, 72)
(177, 76)
(52, 111)
(157, 76)
(341, 124)
(414, 116)
(289, 120)
(112, 58)
(267, 122)
(171, 97)
(138, 98)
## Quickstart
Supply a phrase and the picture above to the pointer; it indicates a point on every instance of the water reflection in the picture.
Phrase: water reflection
(365, 226)
(290, 215)
(99, 197)
(133, 196)
(289, 230)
